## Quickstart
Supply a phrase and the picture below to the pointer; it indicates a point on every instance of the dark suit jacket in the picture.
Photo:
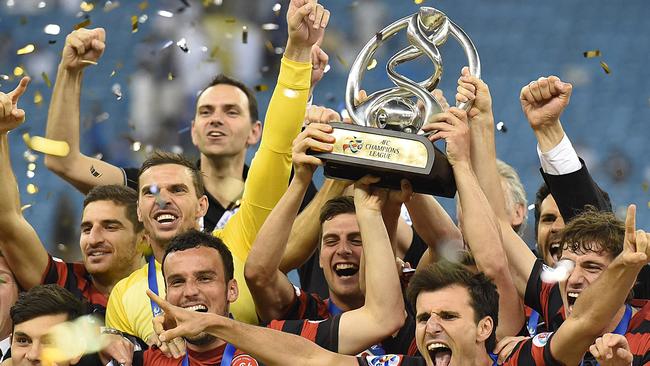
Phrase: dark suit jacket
(572, 192)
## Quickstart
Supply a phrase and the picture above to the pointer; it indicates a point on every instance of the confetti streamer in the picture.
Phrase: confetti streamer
(134, 23)
(591, 53)
(559, 273)
(46, 146)
(83, 24)
(32, 188)
(605, 67)
(143, 5)
(501, 126)
(182, 44)
(27, 49)
(38, 97)
(46, 79)
(87, 6)
(244, 34)
(117, 91)
(165, 13)
(88, 62)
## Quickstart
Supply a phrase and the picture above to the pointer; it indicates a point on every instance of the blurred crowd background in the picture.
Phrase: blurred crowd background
(160, 53)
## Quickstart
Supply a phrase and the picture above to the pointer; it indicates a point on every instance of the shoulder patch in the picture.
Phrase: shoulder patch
(244, 360)
(541, 339)
(385, 360)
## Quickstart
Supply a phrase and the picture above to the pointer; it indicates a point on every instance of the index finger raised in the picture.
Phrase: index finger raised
(20, 89)
(630, 224)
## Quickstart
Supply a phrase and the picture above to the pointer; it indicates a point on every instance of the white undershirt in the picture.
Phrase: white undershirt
(561, 159)
(5, 344)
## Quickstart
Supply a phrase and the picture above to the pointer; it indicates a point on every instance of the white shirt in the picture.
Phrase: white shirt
(560, 160)
(5, 344)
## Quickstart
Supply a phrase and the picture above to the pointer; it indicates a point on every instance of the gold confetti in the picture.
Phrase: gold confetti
(372, 65)
(269, 46)
(418, 2)
(46, 79)
(46, 146)
(18, 71)
(261, 87)
(143, 5)
(170, 76)
(605, 67)
(341, 60)
(134, 24)
(25, 207)
(86, 6)
(83, 24)
(38, 97)
(591, 53)
(113, 73)
(645, 186)
(244, 34)
(231, 20)
(31, 166)
(88, 62)
(27, 49)
(276, 9)
(32, 188)
(214, 52)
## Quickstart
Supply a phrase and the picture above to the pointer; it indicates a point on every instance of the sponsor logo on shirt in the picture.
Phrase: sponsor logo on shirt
(541, 339)
(244, 360)
(385, 360)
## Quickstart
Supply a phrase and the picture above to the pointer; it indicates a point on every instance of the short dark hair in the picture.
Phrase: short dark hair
(120, 195)
(194, 239)
(544, 192)
(336, 206)
(484, 298)
(594, 231)
(252, 100)
(160, 157)
(45, 300)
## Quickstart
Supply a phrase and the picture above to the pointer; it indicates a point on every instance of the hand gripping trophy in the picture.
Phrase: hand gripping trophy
(384, 139)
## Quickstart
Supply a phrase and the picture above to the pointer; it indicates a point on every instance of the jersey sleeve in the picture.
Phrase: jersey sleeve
(543, 297)
(325, 333)
(268, 177)
(131, 177)
(534, 351)
(306, 306)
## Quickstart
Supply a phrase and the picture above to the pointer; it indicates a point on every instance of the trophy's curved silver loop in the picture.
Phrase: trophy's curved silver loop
(426, 21)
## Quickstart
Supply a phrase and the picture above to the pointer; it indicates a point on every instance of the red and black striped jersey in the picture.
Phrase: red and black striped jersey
(74, 278)
(311, 306)
(546, 299)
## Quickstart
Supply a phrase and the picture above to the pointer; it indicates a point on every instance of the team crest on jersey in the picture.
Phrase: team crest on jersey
(541, 339)
(385, 360)
(244, 360)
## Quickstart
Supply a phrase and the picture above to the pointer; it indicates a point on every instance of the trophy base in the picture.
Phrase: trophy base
(390, 155)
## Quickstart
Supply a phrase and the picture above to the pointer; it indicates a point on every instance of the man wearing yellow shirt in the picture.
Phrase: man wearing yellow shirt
(171, 191)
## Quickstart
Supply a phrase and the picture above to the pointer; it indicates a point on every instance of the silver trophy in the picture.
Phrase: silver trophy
(386, 139)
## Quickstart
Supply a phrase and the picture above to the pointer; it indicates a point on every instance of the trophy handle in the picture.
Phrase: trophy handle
(394, 99)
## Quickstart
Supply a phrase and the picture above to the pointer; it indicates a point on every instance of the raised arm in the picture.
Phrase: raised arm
(481, 228)
(272, 291)
(272, 347)
(303, 240)
(383, 311)
(82, 47)
(26, 256)
(520, 259)
(566, 176)
(599, 303)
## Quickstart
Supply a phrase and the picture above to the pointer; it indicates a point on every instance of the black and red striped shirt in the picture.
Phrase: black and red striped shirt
(546, 299)
(74, 278)
(311, 306)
